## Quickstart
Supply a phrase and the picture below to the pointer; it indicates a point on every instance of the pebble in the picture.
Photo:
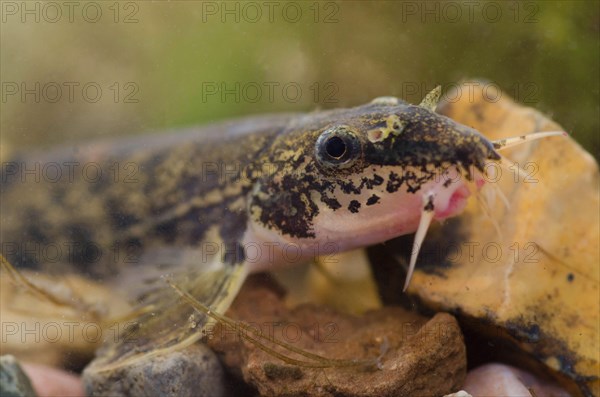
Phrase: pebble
(194, 371)
(13, 381)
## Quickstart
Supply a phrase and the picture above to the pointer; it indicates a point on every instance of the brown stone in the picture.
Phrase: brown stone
(422, 357)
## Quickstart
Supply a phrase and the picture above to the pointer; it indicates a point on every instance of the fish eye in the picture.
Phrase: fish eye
(337, 146)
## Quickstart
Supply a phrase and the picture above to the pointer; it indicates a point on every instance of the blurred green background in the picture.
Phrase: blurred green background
(113, 68)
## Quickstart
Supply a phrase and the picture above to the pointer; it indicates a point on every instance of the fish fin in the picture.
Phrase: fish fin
(163, 322)
(431, 100)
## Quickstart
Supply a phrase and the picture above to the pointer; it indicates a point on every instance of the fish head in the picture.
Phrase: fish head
(355, 177)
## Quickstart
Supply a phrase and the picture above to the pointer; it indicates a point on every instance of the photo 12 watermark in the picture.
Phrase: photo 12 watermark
(69, 92)
(527, 92)
(72, 251)
(67, 172)
(454, 12)
(291, 12)
(50, 332)
(269, 92)
(490, 252)
(56, 12)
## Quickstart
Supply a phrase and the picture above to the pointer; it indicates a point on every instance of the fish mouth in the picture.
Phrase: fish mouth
(451, 194)
(448, 204)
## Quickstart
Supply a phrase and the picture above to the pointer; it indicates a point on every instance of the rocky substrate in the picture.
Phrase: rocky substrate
(410, 354)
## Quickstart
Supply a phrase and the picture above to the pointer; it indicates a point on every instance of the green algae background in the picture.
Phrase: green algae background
(74, 71)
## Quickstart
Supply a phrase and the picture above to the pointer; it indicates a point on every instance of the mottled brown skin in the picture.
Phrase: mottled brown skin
(427, 143)
(149, 204)
(170, 202)
(157, 198)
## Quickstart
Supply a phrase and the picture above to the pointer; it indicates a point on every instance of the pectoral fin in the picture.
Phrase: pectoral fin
(162, 321)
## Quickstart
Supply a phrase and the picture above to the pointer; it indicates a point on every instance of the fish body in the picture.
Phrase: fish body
(128, 198)
(207, 206)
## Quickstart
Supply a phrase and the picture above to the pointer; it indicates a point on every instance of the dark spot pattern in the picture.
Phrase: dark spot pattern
(119, 216)
(394, 182)
(374, 199)
(429, 206)
(370, 183)
(354, 206)
(331, 202)
(274, 202)
(570, 277)
(348, 187)
(167, 231)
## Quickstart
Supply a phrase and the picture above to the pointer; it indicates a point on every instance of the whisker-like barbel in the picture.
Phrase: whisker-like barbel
(427, 214)
(426, 218)
(517, 140)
